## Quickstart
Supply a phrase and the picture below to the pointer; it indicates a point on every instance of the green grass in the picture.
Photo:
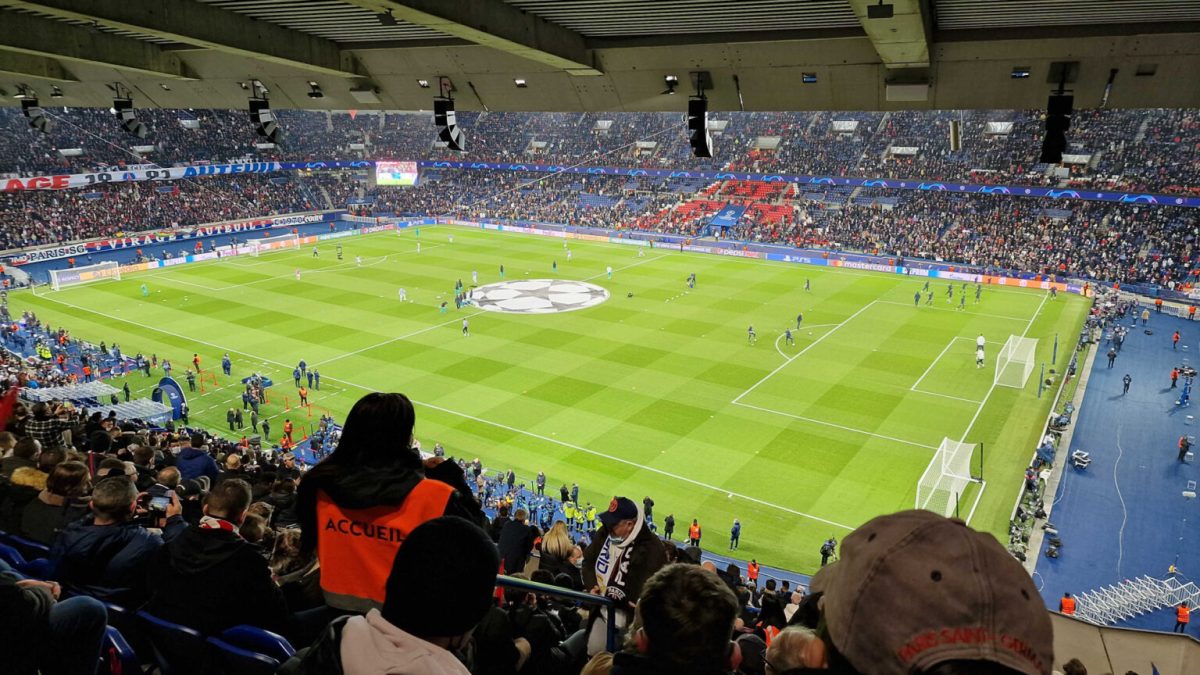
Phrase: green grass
(634, 396)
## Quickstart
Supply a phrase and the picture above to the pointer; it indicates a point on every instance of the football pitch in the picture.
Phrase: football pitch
(655, 391)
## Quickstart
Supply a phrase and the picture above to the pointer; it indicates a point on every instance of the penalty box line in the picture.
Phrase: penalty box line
(832, 425)
(916, 385)
(800, 353)
(480, 420)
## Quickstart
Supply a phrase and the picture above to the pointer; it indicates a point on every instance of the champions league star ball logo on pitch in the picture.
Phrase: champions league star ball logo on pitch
(538, 296)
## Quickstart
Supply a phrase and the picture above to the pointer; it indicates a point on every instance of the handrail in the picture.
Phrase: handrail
(587, 598)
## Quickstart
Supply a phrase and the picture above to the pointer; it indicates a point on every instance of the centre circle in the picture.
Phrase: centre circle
(538, 296)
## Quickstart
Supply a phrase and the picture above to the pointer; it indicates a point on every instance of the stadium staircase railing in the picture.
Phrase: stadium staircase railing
(566, 594)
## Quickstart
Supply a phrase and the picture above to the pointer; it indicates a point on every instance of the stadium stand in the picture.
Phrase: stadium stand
(1153, 150)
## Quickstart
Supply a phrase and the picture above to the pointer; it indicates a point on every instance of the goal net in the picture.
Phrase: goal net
(1015, 362)
(283, 241)
(60, 279)
(944, 480)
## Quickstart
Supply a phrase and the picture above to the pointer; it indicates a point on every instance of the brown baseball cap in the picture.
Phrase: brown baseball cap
(914, 589)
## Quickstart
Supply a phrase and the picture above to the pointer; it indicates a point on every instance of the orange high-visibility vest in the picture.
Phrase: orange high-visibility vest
(752, 571)
(356, 547)
(1183, 614)
(303, 392)
(1067, 606)
(693, 532)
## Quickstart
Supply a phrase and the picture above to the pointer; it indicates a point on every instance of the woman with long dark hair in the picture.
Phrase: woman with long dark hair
(358, 505)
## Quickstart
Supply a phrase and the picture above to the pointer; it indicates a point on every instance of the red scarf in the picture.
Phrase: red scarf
(212, 523)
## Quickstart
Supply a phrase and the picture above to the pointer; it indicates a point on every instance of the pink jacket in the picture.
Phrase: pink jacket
(372, 646)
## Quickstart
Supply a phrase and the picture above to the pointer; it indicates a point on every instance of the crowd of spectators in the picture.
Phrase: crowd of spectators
(1091, 240)
(1094, 240)
(38, 218)
(1138, 149)
(1154, 149)
(380, 559)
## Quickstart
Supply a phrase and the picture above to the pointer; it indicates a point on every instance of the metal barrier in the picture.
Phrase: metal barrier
(585, 598)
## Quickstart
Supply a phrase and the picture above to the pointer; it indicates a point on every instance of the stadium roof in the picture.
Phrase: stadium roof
(603, 54)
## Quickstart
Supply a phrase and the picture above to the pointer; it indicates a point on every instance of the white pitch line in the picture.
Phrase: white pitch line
(836, 426)
(820, 269)
(368, 348)
(993, 387)
(498, 425)
(959, 311)
(780, 337)
(935, 361)
(802, 351)
(934, 393)
(619, 269)
(638, 465)
(978, 498)
(339, 267)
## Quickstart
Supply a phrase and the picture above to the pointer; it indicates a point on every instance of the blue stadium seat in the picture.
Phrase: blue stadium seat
(116, 656)
(11, 556)
(235, 660)
(30, 568)
(29, 549)
(131, 630)
(39, 568)
(259, 640)
(178, 650)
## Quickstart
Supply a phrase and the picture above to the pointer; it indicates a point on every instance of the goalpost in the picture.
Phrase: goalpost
(60, 279)
(1015, 362)
(258, 246)
(948, 473)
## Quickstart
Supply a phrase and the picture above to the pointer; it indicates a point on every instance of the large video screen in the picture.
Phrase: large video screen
(396, 173)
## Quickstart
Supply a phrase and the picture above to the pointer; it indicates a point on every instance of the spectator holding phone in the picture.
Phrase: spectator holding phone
(107, 554)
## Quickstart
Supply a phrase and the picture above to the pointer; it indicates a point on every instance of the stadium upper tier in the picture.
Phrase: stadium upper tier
(1144, 150)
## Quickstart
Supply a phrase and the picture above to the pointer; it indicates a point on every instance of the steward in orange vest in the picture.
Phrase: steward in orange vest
(694, 533)
(1067, 605)
(358, 505)
(1183, 614)
(752, 572)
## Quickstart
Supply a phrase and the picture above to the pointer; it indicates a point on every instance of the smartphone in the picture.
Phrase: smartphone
(160, 503)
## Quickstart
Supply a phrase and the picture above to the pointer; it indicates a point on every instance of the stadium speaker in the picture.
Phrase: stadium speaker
(453, 137)
(1058, 122)
(447, 123)
(257, 107)
(697, 121)
(123, 107)
(265, 122)
(37, 116)
(955, 135)
(273, 132)
(443, 112)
